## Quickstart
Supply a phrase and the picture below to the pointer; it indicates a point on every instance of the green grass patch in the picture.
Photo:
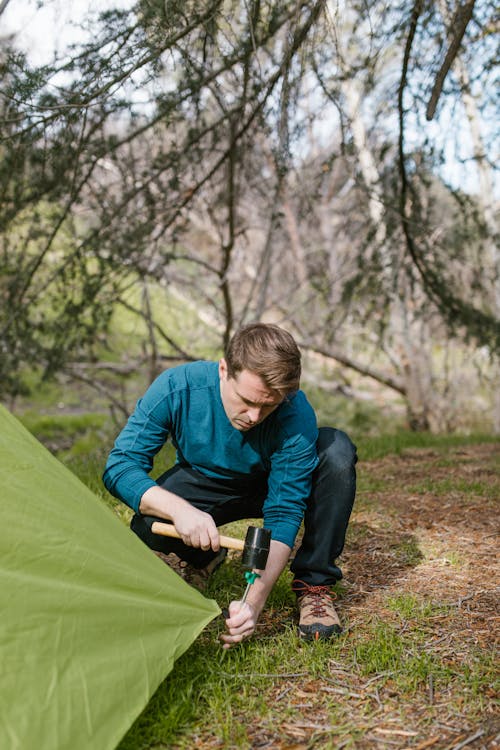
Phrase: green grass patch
(411, 607)
(368, 483)
(402, 657)
(407, 551)
(68, 435)
(480, 675)
(382, 651)
(374, 447)
(46, 427)
(455, 559)
(453, 486)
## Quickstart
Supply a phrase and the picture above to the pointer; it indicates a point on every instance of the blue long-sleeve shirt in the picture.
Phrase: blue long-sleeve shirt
(184, 403)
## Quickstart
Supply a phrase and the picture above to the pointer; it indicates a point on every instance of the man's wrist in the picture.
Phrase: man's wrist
(257, 597)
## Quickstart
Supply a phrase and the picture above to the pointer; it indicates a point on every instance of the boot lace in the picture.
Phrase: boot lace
(321, 596)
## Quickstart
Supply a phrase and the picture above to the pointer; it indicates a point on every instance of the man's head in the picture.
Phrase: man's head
(260, 368)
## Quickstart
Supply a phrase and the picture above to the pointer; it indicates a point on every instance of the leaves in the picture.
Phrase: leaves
(217, 135)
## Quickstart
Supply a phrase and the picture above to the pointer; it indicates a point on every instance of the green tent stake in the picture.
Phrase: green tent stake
(250, 577)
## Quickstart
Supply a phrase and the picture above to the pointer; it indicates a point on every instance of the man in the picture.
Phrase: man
(247, 447)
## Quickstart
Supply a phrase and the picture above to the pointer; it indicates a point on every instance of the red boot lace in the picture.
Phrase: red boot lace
(318, 594)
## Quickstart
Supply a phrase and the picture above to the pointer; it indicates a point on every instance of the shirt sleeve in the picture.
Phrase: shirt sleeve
(289, 485)
(126, 474)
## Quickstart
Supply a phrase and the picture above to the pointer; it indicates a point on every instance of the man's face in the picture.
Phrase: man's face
(246, 399)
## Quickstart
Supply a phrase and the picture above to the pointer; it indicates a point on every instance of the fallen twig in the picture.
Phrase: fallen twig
(468, 740)
(431, 689)
(378, 677)
(246, 675)
(283, 693)
(426, 743)
(342, 691)
(399, 732)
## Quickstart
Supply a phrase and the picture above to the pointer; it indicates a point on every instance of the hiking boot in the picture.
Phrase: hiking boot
(317, 615)
(196, 577)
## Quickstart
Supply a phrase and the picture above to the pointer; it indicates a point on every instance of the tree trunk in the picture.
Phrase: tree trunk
(415, 364)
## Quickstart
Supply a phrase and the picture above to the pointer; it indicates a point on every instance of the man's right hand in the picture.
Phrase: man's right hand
(196, 528)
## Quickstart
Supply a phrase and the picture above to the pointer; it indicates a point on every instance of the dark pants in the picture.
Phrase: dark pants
(325, 521)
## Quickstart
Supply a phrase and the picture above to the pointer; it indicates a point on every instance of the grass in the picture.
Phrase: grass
(395, 443)
(394, 668)
(354, 416)
(452, 486)
(227, 697)
(221, 690)
(65, 429)
(410, 607)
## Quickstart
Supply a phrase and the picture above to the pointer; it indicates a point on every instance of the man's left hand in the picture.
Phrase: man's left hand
(240, 623)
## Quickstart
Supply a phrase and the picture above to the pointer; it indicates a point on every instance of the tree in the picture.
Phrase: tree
(118, 180)
(181, 145)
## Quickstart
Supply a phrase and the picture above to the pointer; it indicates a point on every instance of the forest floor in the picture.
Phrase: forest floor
(424, 535)
(416, 666)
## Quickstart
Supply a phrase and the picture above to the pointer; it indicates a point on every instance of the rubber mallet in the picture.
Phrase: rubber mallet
(255, 548)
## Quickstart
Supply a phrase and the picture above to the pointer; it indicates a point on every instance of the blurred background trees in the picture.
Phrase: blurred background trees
(326, 166)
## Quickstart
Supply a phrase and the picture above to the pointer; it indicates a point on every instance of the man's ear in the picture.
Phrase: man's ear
(223, 369)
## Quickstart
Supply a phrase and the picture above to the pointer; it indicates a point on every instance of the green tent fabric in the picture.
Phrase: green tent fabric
(91, 620)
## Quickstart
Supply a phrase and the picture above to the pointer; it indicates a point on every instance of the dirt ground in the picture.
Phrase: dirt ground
(429, 530)
(455, 531)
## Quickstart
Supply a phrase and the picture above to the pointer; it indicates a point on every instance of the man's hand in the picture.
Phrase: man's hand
(243, 616)
(195, 527)
(240, 623)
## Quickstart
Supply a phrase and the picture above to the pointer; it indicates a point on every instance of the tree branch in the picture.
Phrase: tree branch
(187, 357)
(3, 5)
(395, 384)
(458, 26)
(484, 327)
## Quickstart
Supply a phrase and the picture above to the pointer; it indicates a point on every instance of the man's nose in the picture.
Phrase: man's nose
(254, 413)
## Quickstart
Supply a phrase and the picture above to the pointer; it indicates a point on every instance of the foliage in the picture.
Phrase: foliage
(235, 154)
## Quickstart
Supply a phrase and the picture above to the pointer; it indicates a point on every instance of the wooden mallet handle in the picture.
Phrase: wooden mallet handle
(167, 529)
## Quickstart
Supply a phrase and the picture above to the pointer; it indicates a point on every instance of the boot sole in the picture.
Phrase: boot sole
(321, 632)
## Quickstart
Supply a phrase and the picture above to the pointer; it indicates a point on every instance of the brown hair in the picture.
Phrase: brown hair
(269, 352)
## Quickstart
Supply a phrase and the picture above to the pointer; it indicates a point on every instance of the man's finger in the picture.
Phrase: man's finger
(214, 539)
(232, 640)
(204, 540)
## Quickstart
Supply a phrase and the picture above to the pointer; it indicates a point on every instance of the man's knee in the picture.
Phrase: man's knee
(336, 450)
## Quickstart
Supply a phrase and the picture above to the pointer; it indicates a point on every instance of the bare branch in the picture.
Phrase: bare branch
(458, 26)
(3, 5)
(395, 384)
(181, 352)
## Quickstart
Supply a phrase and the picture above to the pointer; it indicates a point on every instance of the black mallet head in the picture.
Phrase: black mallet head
(256, 549)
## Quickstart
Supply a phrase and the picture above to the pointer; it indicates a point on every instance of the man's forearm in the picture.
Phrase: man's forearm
(279, 554)
(196, 528)
(159, 502)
